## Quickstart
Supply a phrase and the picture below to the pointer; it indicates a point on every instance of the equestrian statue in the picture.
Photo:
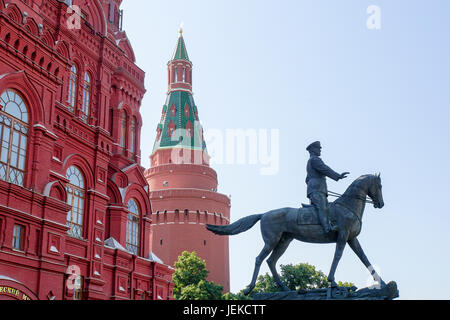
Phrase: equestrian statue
(321, 222)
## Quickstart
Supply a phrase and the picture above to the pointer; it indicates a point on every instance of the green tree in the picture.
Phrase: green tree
(190, 279)
(234, 296)
(204, 290)
(265, 283)
(303, 276)
(295, 277)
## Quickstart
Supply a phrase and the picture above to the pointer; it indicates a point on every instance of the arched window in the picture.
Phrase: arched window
(133, 219)
(184, 74)
(86, 97)
(123, 130)
(133, 136)
(76, 199)
(73, 80)
(14, 136)
(176, 75)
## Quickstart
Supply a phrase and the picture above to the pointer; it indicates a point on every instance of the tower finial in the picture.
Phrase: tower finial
(180, 52)
(181, 29)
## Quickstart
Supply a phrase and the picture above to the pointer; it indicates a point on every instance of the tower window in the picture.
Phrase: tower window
(184, 74)
(175, 75)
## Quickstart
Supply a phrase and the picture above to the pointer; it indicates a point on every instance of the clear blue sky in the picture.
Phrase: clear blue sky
(377, 99)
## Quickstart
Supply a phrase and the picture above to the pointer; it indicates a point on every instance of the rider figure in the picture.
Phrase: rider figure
(316, 182)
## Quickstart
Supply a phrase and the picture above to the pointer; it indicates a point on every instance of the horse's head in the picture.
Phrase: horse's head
(375, 192)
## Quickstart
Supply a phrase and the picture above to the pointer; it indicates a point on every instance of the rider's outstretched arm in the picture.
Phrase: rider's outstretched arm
(320, 166)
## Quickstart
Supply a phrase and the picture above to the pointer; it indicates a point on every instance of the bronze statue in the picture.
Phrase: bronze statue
(279, 227)
(317, 191)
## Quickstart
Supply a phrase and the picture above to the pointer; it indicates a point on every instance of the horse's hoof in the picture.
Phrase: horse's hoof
(247, 291)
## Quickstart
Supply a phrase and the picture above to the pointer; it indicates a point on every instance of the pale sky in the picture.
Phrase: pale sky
(377, 99)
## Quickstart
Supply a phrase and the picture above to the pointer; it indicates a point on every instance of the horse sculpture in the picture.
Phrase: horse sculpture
(280, 227)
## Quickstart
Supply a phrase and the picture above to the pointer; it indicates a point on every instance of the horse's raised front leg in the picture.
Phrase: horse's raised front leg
(356, 247)
(340, 246)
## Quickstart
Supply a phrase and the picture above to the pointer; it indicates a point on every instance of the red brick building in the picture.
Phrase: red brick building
(183, 187)
(75, 214)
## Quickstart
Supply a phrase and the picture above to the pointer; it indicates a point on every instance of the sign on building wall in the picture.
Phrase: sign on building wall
(11, 289)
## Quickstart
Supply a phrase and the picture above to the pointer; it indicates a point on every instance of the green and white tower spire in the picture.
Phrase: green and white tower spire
(179, 128)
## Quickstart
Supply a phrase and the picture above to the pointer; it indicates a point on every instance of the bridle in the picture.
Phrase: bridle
(337, 195)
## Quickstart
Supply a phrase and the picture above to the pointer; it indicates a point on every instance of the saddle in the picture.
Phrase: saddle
(307, 215)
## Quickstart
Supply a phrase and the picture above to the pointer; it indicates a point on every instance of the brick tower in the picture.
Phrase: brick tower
(183, 187)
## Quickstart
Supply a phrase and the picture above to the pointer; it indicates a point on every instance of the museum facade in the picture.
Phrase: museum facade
(75, 210)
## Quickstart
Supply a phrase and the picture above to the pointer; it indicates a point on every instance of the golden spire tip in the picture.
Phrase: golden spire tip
(181, 29)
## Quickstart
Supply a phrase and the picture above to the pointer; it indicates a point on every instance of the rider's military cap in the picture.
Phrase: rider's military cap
(314, 145)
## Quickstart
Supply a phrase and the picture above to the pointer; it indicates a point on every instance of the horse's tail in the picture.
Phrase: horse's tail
(237, 227)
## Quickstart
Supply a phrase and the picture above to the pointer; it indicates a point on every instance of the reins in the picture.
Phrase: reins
(338, 195)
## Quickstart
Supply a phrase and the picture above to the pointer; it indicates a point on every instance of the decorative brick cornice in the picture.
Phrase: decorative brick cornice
(181, 168)
(189, 193)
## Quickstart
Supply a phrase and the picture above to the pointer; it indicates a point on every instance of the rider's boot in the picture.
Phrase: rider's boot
(324, 221)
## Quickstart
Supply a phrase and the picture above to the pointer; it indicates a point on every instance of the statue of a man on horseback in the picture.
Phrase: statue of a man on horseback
(317, 191)
(280, 227)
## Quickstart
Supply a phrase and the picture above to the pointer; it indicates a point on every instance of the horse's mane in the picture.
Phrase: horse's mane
(357, 183)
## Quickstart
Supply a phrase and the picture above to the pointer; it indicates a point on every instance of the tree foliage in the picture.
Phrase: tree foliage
(295, 277)
(191, 284)
(190, 279)
(203, 290)
(236, 296)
